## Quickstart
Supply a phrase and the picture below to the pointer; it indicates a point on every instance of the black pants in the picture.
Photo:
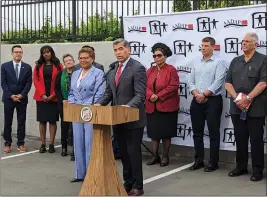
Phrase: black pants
(129, 141)
(243, 129)
(66, 129)
(9, 107)
(210, 111)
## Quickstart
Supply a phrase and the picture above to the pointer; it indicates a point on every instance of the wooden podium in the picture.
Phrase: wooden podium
(102, 177)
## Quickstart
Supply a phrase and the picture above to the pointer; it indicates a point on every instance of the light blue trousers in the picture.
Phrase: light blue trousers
(82, 139)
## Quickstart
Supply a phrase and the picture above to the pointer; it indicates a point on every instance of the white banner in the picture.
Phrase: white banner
(183, 33)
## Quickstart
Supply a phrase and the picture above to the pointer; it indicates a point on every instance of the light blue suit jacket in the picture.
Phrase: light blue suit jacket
(84, 93)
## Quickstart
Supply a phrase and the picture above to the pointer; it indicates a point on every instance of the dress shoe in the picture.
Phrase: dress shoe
(64, 151)
(136, 192)
(7, 149)
(237, 172)
(256, 177)
(51, 148)
(211, 167)
(154, 160)
(75, 180)
(197, 165)
(164, 161)
(42, 149)
(128, 189)
(72, 157)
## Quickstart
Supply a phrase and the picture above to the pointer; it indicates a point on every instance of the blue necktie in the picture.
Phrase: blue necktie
(17, 71)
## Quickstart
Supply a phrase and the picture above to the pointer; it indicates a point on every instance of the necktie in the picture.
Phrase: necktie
(17, 71)
(118, 74)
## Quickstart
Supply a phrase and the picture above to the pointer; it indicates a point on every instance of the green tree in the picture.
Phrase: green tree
(181, 5)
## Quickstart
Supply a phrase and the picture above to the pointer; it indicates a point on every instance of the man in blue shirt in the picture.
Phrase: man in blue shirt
(206, 81)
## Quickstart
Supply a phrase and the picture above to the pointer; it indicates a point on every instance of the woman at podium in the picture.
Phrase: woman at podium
(84, 83)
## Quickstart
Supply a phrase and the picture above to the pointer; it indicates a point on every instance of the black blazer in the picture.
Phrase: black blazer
(11, 85)
(131, 90)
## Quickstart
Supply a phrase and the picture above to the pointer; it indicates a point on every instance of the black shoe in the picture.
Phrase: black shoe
(72, 157)
(237, 172)
(211, 167)
(197, 165)
(75, 180)
(64, 151)
(51, 148)
(42, 149)
(154, 160)
(256, 177)
(127, 188)
(164, 161)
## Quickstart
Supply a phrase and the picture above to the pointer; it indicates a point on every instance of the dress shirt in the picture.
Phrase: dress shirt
(207, 75)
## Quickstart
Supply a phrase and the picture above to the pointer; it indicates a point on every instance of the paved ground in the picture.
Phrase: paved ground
(49, 174)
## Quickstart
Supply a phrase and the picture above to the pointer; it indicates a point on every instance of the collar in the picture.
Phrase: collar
(254, 57)
(14, 63)
(212, 58)
(125, 63)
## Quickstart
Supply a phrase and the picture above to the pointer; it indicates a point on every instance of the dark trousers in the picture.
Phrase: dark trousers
(129, 141)
(115, 146)
(211, 112)
(243, 129)
(66, 129)
(9, 107)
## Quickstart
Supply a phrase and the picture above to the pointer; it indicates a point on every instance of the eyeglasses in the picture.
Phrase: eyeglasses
(17, 52)
(158, 55)
(83, 58)
(246, 41)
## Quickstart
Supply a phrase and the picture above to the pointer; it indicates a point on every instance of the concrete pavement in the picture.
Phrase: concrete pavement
(49, 174)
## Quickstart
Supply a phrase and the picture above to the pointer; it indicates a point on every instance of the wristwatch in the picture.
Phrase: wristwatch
(249, 98)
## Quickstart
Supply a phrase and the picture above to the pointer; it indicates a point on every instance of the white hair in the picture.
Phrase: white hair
(253, 35)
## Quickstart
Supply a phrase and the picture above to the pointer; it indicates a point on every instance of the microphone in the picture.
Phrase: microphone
(111, 67)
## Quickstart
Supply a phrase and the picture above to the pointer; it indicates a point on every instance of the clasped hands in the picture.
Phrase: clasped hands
(47, 98)
(200, 98)
(16, 97)
(242, 103)
(154, 98)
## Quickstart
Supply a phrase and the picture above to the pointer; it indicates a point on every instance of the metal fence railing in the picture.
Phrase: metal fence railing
(29, 21)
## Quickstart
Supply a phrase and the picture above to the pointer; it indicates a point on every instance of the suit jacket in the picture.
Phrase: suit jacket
(11, 85)
(87, 88)
(166, 86)
(130, 90)
(97, 65)
(40, 85)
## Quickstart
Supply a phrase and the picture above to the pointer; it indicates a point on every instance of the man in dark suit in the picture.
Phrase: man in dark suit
(97, 65)
(127, 87)
(16, 82)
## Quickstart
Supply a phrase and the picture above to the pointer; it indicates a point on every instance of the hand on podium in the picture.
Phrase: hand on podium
(97, 104)
(125, 105)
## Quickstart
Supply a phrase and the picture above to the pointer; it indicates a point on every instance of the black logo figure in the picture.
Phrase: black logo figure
(183, 90)
(204, 24)
(183, 131)
(181, 47)
(136, 29)
(228, 136)
(184, 111)
(259, 20)
(157, 28)
(137, 48)
(232, 45)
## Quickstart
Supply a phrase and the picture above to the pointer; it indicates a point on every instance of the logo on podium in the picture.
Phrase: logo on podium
(86, 114)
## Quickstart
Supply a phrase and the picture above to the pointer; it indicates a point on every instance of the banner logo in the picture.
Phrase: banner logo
(184, 111)
(262, 44)
(204, 24)
(259, 20)
(181, 47)
(183, 90)
(228, 136)
(157, 27)
(137, 48)
(235, 23)
(183, 69)
(183, 27)
(183, 131)
(136, 29)
(232, 45)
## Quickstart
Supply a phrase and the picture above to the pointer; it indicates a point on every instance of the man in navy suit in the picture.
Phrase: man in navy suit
(16, 82)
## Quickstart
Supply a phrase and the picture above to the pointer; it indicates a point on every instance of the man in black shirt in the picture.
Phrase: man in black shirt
(248, 75)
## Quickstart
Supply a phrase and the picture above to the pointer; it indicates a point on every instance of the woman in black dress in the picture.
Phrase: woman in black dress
(45, 72)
